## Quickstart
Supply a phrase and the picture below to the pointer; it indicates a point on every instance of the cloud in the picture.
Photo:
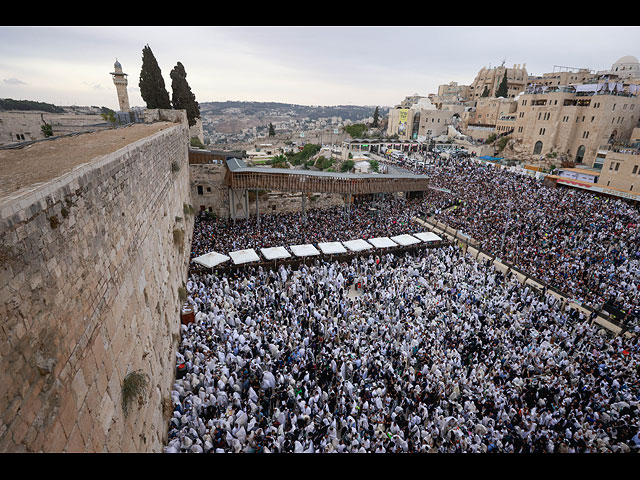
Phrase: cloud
(13, 81)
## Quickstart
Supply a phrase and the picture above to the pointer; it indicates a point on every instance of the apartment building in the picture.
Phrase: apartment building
(422, 120)
(576, 121)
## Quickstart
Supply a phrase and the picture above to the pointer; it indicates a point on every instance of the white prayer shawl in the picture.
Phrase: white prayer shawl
(268, 380)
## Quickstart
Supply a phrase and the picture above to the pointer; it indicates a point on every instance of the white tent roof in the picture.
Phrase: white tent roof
(357, 245)
(304, 250)
(244, 256)
(211, 259)
(382, 242)
(331, 247)
(405, 239)
(275, 252)
(427, 236)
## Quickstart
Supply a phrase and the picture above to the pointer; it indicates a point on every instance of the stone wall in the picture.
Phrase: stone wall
(213, 195)
(92, 266)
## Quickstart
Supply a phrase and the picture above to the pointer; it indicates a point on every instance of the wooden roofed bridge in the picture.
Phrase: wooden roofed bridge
(240, 179)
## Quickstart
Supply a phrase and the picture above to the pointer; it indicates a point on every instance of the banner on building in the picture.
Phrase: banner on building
(403, 116)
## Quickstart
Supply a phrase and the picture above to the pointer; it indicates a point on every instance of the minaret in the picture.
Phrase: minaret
(120, 81)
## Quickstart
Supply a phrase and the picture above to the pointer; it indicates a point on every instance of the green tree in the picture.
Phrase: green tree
(347, 166)
(195, 142)
(376, 118)
(47, 130)
(272, 130)
(182, 96)
(151, 83)
(108, 114)
(502, 90)
(485, 92)
(357, 130)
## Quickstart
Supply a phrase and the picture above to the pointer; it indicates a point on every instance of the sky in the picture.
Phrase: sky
(305, 65)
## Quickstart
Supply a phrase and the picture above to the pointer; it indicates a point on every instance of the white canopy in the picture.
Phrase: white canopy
(304, 250)
(405, 239)
(382, 242)
(211, 259)
(275, 252)
(244, 256)
(331, 247)
(357, 245)
(427, 236)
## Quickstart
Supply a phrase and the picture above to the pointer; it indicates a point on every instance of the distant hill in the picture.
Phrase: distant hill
(346, 112)
(11, 104)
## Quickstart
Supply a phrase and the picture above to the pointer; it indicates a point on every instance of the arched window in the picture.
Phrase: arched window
(580, 154)
(537, 148)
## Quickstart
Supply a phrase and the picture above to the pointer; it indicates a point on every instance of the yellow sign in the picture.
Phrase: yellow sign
(403, 116)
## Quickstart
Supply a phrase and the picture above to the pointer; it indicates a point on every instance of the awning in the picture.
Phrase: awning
(330, 248)
(304, 250)
(274, 253)
(427, 236)
(405, 239)
(211, 259)
(244, 256)
(357, 245)
(382, 242)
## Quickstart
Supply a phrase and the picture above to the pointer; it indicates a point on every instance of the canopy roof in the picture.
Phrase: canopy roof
(211, 259)
(382, 242)
(304, 250)
(244, 256)
(275, 252)
(331, 247)
(357, 245)
(427, 236)
(405, 239)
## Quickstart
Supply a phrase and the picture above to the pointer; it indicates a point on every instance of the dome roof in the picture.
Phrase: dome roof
(627, 59)
(117, 64)
(425, 104)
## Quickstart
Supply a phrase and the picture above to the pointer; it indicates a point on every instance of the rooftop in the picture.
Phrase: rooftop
(45, 160)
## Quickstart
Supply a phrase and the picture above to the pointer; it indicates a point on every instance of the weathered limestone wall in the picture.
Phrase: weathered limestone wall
(91, 270)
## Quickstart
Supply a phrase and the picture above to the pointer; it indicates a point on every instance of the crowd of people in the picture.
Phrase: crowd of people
(585, 245)
(427, 351)
(384, 216)
(433, 352)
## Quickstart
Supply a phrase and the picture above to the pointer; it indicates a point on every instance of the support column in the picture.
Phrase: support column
(257, 209)
(246, 204)
(303, 218)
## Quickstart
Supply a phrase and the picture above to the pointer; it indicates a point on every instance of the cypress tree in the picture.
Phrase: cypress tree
(151, 83)
(502, 90)
(376, 117)
(272, 131)
(182, 97)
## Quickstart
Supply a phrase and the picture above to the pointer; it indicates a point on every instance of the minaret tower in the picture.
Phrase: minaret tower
(120, 81)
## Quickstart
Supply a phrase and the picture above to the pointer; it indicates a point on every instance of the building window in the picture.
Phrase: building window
(200, 192)
(635, 169)
(617, 165)
(580, 154)
(537, 148)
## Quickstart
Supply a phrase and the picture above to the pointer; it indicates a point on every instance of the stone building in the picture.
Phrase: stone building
(487, 113)
(563, 76)
(490, 79)
(422, 120)
(23, 126)
(575, 121)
